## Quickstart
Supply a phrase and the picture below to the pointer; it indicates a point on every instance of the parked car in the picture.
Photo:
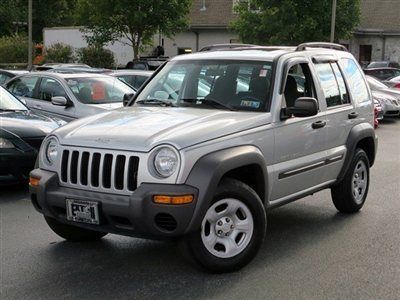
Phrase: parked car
(134, 78)
(379, 86)
(146, 63)
(69, 96)
(383, 64)
(390, 106)
(6, 75)
(383, 73)
(21, 134)
(72, 70)
(50, 66)
(207, 164)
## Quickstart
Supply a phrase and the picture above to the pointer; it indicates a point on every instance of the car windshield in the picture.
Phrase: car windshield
(220, 84)
(8, 102)
(378, 64)
(99, 90)
(375, 84)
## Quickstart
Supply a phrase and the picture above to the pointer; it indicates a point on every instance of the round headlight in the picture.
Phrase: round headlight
(165, 162)
(51, 150)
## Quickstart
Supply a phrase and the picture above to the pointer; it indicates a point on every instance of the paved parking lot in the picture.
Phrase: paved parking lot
(311, 252)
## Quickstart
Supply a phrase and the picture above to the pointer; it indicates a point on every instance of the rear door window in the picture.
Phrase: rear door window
(357, 86)
(23, 86)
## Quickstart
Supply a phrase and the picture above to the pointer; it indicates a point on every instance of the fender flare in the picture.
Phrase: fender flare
(357, 133)
(209, 170)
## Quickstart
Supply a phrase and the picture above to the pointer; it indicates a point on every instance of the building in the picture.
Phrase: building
(209, 24)
(378, 35)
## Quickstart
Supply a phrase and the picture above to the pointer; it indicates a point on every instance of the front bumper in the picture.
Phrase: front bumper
(15, 165)
(133, 215)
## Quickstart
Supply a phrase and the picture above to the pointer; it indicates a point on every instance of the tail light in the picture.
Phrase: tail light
(397, 85)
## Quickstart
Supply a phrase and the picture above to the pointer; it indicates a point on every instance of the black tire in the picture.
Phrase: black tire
(231, 188)
(342, 193)
(73, 233)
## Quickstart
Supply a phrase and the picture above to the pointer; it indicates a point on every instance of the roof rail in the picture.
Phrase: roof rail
(303, 46)
(265, 48)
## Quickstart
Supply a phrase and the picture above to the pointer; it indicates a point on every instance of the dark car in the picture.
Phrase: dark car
(6, 75)
(134, 78)
(382, 73)
(69, 96)
(21, 134)
(146, 63)
(383, 64)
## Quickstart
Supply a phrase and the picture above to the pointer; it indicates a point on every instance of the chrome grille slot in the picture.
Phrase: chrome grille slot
(99, 170)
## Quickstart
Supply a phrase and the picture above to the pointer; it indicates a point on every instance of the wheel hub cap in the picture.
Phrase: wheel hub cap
(224, 227)
(360, 181)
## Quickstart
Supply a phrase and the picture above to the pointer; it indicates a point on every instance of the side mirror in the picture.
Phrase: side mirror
(303, 107)
(127, 98)
(59, 101)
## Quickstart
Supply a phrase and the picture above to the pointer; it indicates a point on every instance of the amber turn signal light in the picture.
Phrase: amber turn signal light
(33, 181)
(164, 199)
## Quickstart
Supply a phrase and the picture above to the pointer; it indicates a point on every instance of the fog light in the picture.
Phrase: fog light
(164, 199)
(33, 181)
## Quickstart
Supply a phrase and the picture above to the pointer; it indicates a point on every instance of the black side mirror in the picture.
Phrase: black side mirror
(127, 98)
(303, 107)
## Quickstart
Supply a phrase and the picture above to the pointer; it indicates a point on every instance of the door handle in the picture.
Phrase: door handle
(318, 124)
(353, 115)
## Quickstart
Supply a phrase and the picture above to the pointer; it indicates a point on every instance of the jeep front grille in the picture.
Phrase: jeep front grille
(99, 170)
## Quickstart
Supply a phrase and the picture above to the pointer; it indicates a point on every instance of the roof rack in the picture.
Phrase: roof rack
(226, 46)
(334, 46)
(266, 48)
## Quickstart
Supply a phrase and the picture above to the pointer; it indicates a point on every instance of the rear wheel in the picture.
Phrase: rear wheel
(350, 194)
(232, 230)
(73, 233)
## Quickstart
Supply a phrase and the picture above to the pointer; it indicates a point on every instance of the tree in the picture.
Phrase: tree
(291, 22)
(136, 21)
(46, 13)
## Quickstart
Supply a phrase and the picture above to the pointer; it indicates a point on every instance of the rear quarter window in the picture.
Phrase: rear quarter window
(358, 87)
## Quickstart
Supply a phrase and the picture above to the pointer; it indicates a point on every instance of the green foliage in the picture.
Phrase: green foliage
(14, 49)
(291, 22)
(97, 57)
(45, 13)
(137, 21)
(60, 53)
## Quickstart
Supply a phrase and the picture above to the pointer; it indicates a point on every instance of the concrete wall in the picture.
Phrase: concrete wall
(383, 47)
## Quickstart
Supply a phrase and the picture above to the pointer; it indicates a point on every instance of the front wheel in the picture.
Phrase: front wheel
(73, 233)
(350, 194)
(232, 230)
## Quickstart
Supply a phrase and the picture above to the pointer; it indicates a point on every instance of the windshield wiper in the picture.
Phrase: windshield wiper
(209, 101)
(155, 102)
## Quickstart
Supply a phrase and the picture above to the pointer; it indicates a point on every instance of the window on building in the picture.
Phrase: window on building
(251, 5)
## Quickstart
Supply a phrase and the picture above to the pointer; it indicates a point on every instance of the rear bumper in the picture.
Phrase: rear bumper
(15, 165)
(133, 215)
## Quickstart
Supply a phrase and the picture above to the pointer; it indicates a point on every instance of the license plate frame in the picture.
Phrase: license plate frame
(83, 211)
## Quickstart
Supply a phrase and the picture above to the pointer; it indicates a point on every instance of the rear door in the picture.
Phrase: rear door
(25, 88)
(341, 114)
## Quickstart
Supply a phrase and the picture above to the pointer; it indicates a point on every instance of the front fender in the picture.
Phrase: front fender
(209, 170)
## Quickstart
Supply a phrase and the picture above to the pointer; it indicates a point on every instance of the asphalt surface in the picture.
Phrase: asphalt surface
(311, 252)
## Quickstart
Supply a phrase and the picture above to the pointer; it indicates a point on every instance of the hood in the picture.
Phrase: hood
(142, 128)
(392, 91)
(107, 106)
(27, 124)
(383, 95)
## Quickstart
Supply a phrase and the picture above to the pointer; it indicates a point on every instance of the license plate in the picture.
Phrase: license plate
(82, 211)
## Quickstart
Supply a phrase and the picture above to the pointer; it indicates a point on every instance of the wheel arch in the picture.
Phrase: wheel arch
(361, 136)
(234, 162)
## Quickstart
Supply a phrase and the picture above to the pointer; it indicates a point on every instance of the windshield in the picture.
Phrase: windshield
(221, 84)
(375, 84)
(9, 102)
(99, 90)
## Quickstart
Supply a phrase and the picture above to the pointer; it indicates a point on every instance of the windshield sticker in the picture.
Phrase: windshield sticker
(249, 103)
(263, 73)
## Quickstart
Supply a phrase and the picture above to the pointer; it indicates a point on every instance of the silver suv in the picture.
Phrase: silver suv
(208, 146)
